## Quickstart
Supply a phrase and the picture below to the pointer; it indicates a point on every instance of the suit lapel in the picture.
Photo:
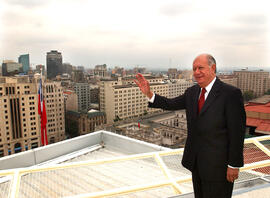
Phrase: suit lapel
(195, 98)
(215, 91)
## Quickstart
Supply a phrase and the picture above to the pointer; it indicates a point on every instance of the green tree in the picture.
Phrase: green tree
(248, 95)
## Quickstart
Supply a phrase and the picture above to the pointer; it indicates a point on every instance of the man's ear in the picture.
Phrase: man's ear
(214, 68)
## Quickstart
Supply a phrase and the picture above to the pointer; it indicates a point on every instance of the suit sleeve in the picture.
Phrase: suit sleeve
(168, 103)
(236, 123)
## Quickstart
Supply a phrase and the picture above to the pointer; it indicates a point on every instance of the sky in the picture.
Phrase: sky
(156, 34)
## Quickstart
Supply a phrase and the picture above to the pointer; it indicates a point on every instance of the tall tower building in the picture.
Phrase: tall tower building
(24, 60)
(19, 120)
(256, 81)
(54, 64)
(84, 96)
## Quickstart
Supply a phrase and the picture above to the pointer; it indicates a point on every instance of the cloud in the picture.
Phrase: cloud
(251, 20)
(30, 4)
(175, 9)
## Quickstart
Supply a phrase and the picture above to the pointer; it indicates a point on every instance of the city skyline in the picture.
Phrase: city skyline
(151, 34)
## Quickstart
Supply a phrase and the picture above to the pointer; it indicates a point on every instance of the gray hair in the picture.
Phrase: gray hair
(211, 61)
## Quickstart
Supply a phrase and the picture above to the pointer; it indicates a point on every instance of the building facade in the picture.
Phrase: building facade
(94, 94)
(25, 61)
(178, 87)
(54, 64)
(19, 120)
(54, 100)
(80, 123)
(256, 81)
(11, 68)
(83, 91)
(122, 98)
(78, 76)
(71, 100)
(229, 79)
(101, 70)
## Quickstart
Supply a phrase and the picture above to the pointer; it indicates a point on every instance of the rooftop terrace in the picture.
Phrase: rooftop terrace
(103, 164)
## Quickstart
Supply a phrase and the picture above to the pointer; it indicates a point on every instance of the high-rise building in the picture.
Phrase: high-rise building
(54, 64)
(84, 96)
(19, 120)
(256, 81)
(24, 60)
(94, 94)
(122, 98)
(71, 100)
(78, 76)
(54, 99)
(67, 68)
(11, 68)
(101, 70)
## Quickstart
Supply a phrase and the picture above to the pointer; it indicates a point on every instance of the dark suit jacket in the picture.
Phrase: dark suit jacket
(215, 136)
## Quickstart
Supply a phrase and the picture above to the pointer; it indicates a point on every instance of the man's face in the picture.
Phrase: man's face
(202, 73)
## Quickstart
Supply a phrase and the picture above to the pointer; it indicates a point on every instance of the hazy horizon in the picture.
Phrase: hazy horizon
(152, 34)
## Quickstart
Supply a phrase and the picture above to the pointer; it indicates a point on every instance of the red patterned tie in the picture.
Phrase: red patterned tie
(201, 100)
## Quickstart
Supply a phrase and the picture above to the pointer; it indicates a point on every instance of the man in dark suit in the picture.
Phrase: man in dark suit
(216, 125)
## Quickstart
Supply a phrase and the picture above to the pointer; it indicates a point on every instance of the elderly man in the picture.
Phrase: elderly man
(216, 127)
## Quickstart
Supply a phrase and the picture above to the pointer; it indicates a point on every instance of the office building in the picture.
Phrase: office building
(101, 70)
(178, 87)
(19, 120)
(256, 81)
(54, 64)
(71, 100)
(84, 96)
(67, 68)
(78, 76)
(11, 68)
(122, 98)
(94, 94)
(25, 61)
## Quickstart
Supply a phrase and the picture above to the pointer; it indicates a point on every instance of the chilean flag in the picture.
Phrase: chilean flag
(43, 115)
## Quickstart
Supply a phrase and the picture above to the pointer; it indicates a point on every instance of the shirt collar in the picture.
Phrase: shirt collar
(210, 85)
